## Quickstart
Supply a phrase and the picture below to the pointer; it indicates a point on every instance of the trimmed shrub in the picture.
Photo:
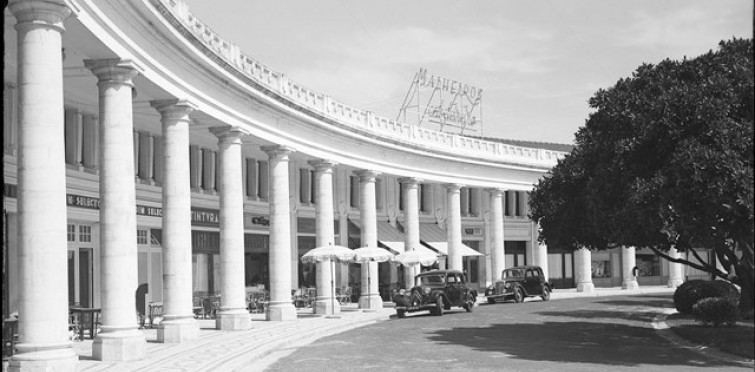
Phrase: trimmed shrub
(716, 310)
(690, 292)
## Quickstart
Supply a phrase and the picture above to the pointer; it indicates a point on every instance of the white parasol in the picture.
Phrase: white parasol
(333, 253)
(415, 257)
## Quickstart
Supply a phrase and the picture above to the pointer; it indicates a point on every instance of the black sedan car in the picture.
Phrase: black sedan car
(436, 291)
(518, 283)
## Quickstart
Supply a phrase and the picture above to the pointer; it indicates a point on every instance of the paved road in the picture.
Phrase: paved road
(588, 334)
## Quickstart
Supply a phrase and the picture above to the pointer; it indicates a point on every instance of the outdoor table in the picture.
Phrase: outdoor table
(88, 319)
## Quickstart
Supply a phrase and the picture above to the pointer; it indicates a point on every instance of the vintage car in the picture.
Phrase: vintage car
(436, 290)
(520, 282)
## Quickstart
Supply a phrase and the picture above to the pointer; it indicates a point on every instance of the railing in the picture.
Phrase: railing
(347, 115)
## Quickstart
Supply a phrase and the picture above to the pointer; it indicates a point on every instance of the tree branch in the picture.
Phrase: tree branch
(705, 267)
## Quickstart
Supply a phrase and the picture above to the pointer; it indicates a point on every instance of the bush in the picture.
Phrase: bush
(716, 310)
(692, 291)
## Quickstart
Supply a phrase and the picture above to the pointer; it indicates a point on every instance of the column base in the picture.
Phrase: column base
(370, 302)
(327, 306)
(281, 312)
(586, 287)
(44, 359)
(233, 320)
(630, 285)
(119, 346)
(177, 330)
(673, 283)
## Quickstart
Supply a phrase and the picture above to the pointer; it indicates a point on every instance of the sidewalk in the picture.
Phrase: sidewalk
(228, 351)
(245, 350)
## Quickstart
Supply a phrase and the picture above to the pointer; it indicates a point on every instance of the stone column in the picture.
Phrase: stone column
(281, 308)
(539, 251)
(42, 258)
(675, 277)
(628, 263)
(583, 270)
(497, 250)
(324, 236)
(178, 323)
(410, 188)
(453, 226)
(370, 297)
(232, 315)
(119, 340)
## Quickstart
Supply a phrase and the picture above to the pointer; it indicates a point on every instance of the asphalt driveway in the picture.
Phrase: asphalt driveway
(585, 334)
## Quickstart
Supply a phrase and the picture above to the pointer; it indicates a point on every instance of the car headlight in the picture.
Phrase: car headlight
(402, 291)
(507, 285)
(427, 290)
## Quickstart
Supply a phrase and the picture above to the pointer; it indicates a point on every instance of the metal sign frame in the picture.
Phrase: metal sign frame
(451, 106)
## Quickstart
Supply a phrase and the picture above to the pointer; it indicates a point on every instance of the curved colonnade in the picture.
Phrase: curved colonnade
(105, 99)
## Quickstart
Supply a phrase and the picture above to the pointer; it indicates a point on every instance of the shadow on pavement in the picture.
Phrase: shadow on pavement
(664, 304)
(579, 342)
(640, 316)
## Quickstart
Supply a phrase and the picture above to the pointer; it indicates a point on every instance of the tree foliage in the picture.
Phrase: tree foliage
(665, 160)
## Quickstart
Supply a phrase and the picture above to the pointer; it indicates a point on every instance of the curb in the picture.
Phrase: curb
(664, 330)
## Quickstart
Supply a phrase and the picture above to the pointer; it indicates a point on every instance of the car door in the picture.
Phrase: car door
(531, 282)
(452, 288)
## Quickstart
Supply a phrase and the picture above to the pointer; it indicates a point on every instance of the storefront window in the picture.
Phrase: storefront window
(200, 279)
(648, 265)
(85, 233)
(71, 232)
(141, 236)
(601, 269)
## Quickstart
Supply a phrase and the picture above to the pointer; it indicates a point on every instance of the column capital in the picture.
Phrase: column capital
(228, 134)
(366, 175)
(453, 187)
(114, 70)
(279, 152)
(322, 165)
(173, 108)
(495, 191)
(47, 13)
(410, 180)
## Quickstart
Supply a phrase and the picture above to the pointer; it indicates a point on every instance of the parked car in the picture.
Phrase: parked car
(518, 283)
(436, 290)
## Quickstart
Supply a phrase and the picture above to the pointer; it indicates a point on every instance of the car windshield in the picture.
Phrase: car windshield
(512, 274)
(432, 279)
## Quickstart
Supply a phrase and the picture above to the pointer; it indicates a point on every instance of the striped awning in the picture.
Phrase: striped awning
(433, 236)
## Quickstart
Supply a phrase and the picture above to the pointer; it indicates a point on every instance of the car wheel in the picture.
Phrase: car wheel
(518, 295)
(546, 294)
(400, 313)
(439, 308)
(469, 305)
(491, 300)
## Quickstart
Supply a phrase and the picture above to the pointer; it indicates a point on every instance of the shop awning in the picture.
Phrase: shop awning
(432, 235)
(398, 247)
(391, 238)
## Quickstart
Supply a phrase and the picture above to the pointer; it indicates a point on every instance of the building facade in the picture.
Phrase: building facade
(142, 148)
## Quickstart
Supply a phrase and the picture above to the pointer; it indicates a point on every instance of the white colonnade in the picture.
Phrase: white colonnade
(43, 301)
(178, 324)
(119, 340)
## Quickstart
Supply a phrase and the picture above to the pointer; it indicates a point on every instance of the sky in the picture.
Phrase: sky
(536, 61)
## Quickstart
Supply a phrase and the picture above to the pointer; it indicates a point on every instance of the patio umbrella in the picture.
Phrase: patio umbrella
(414, 257)
(372, 254)
(333, 253)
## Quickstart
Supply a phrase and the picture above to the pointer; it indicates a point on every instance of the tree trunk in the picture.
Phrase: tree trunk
(746, 299)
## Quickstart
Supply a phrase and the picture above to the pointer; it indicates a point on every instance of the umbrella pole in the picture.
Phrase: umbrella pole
(332, 287)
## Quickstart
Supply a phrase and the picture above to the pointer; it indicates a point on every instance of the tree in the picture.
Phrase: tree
(664, 160)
